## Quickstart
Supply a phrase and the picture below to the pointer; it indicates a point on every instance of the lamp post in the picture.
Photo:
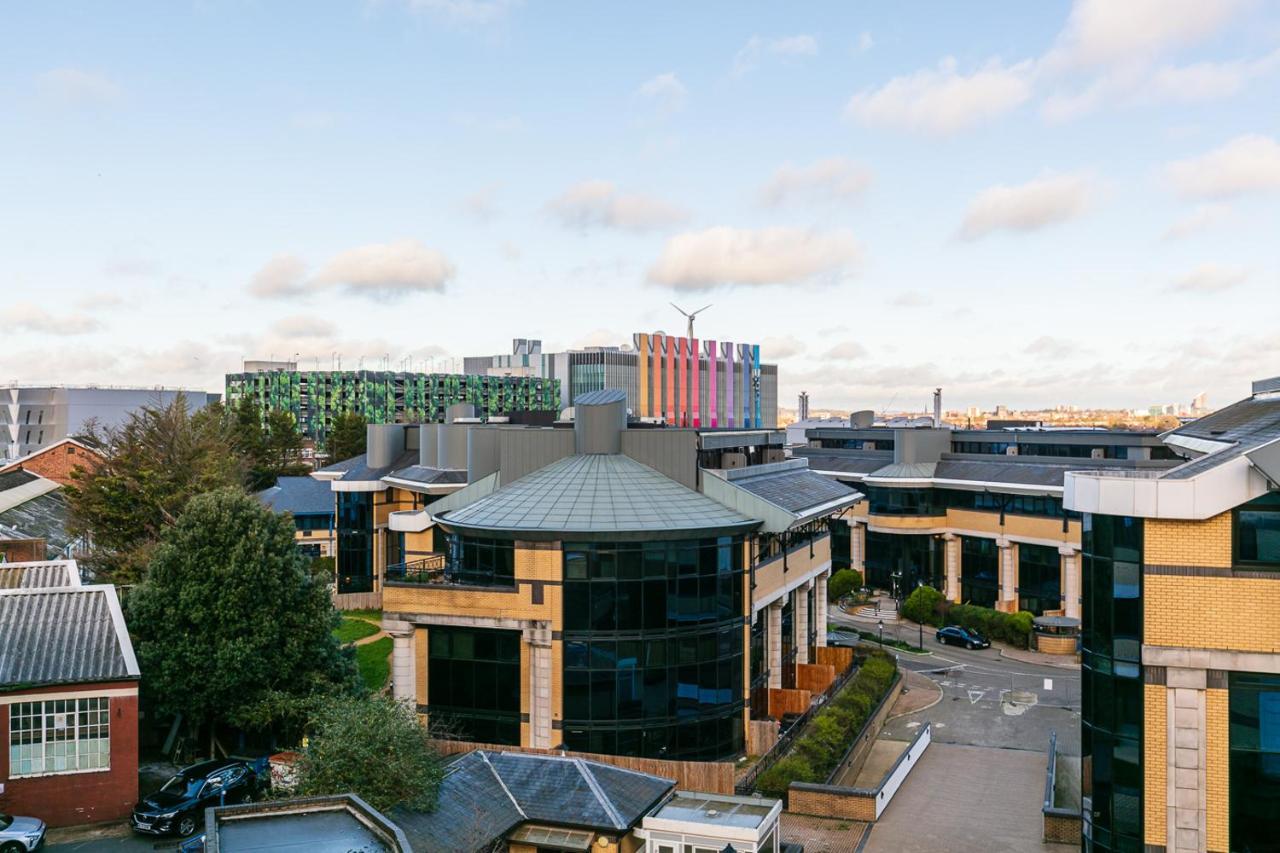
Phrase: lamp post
(881, 623)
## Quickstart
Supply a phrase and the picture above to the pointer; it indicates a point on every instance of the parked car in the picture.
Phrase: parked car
(954, 635)
(178, 807)
(20, 834)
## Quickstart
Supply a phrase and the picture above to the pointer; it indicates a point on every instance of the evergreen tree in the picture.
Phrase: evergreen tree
(347, 437)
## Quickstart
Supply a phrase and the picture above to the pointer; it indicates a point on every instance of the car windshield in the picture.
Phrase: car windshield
(184, 785)
(5, 820)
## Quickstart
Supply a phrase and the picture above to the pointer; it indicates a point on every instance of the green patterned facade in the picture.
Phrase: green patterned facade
(315, 398)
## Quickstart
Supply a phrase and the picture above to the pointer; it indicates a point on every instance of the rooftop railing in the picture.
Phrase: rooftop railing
(428, 569)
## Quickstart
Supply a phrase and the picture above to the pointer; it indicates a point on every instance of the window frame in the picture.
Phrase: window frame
(78, 706)
(1236, 559)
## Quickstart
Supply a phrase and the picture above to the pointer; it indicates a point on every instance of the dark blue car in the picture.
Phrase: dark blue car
(178, 807)
(954, 635)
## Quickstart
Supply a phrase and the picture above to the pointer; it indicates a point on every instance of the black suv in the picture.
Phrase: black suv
(954, 635)
(178, 807)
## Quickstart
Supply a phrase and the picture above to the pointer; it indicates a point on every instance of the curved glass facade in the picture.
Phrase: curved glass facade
(1111, 676)
(653, 648)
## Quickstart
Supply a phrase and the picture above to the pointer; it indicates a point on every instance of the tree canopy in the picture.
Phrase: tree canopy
(374, 747)
(347, 437)
(229, 616)
(269, 445)
(154, 463)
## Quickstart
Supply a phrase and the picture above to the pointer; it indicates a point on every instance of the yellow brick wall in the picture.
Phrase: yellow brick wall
(543, 564)
(420, 662)
(1155, 710)
(1195, 612)
(909, 522)
(1217, 770)
(1188, 543)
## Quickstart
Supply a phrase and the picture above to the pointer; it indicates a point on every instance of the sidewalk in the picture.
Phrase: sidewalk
(1038, 658)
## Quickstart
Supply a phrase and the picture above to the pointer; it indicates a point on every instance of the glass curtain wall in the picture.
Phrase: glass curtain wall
(1111, 676)
(355, 541)
(1039, 579)
(1255, 760)
(979, 571)
(474, 678)
(915, 559)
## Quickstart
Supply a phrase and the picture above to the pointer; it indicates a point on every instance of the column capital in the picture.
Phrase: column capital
(1068, 550)
(949, 537)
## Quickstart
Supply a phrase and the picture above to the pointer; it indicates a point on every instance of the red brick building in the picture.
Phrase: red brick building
(58, 460)
(68, 697)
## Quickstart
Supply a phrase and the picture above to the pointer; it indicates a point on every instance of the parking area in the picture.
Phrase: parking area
(967, 798)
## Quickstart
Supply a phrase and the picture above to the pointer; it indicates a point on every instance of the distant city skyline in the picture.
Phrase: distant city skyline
(1028, 204)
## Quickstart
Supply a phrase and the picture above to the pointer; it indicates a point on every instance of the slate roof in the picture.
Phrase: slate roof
(428, 476)
(63, 636)
(602, 397)
(1000, 471)
(485, 795)
(795, 489)
(1248, 424)
(856, 463)
(596, 493)
(362, 470)
(299, 495)
(44, 517)
(53, 573)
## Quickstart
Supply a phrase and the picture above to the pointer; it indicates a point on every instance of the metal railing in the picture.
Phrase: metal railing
(428, 569)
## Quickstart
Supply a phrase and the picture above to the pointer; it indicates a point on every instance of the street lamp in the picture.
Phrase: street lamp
(881, 623)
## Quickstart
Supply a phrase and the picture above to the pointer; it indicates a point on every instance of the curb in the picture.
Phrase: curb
(1075, 667)
(941, 695)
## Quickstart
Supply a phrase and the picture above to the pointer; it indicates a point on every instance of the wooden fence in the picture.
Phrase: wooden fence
(357, 600)
(712, 777)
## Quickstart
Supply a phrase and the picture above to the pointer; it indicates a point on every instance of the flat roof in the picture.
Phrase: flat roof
(716, 809)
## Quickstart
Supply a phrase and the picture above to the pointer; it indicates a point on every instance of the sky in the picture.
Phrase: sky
(1027, 204)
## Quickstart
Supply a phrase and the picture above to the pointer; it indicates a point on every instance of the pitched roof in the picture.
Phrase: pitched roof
(485, 795)
(63, 636)
(1244, 426)
(299, 495)
(44, 517)
(595, 493)
(426, 475)
(34, 575)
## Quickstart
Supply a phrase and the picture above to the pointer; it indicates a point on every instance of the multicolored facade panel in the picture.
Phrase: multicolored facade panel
(693, 383)
(315, 398)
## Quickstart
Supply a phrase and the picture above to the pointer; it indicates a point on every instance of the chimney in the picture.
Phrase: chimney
(937, 408)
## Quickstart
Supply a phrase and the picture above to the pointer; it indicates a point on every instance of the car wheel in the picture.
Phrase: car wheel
(970, 646)
(938, 637)
(187, 825)
(12, 847)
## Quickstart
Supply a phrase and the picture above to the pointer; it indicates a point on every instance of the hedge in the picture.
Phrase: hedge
(827, 736)
(927, 605)
(842, 583)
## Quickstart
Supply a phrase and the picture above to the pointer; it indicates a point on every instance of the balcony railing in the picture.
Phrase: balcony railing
(428, 569)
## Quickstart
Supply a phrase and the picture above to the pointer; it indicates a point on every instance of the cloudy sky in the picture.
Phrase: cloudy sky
(1027, 203)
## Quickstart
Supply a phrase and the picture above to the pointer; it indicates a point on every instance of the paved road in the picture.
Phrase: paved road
(988, 700)
(121, 842)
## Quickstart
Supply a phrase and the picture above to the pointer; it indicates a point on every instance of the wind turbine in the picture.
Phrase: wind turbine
(689, 316)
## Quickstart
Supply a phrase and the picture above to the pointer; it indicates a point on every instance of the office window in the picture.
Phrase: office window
(1257, 533)
(474, 682)
(59, 736)
(979, 571)
(1255, 759)
(1039, 579)
(482, 562)
(355, 541)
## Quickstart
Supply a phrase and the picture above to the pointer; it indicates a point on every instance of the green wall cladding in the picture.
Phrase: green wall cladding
(315, 398)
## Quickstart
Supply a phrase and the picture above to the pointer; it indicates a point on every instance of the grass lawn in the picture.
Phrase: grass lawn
(374, 661)
(350, 630)
(369, 615)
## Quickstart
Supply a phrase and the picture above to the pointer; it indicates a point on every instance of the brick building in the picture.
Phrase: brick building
(57, 461)
(68, 697)
(1180, 728)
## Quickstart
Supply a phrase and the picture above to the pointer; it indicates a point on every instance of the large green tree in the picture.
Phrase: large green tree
(154, 463)
(229, 619)
(346, 437)
(374, 747)
(269, 447)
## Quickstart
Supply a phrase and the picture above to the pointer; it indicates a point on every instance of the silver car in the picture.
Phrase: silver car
(21, 834)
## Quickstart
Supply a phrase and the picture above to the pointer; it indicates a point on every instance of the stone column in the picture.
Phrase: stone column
(1186, 754)
(774, 638)
(404, 670)
(858, 547)
(539, 640)
(820, 602)
(802, 622)
(1070, 581)
(951, 558)
(1008, 575)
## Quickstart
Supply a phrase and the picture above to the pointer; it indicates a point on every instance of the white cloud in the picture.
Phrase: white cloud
(99, 301)
(1246, 164)
(782, 346)
(380, 270)
(699, 260)
(942, 101)
(758, 47)
(832, 179)
(480, 204)
(131, 267)
(73, 87)
(388, 269)
(909, 299)
(666, 92)
(29, 317)
(1052, 347)
(1106, 32)
(1026, 207)
(599, 204)
(1203, 217)
(303, 326)
(846, 351)
(1202, 81)
(1210, 278)
(283, 275)
(467, 12)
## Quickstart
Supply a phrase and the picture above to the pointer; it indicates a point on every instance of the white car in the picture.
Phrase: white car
(20, 834)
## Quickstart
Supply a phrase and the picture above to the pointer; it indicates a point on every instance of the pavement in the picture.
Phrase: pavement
(113, 837)
(972, 798)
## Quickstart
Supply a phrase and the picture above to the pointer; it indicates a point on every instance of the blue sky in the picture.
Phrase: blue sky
(1027, 204)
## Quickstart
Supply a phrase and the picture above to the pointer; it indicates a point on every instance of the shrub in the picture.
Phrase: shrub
(842, 583)
(1011, 628)
(922, 605)
(828, 735)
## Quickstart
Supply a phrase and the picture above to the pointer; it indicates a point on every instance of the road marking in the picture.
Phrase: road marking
(975, 696)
